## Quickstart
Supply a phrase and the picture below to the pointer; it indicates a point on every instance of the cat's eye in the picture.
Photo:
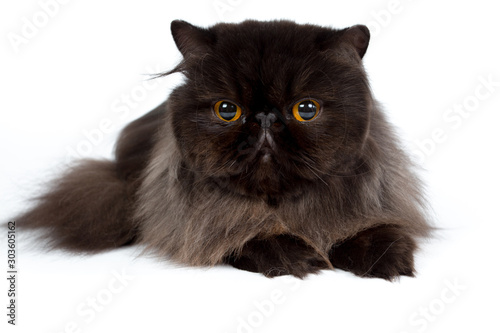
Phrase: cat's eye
(305, 110)
(227, 111)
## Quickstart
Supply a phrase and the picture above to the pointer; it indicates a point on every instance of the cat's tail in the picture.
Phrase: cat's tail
(86, 210)
(90, 207)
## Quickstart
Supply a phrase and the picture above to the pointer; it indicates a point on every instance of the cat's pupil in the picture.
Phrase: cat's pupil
(227, 110)
(307, 110)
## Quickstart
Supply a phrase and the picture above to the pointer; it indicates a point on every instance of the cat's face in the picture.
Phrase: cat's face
(268, 108)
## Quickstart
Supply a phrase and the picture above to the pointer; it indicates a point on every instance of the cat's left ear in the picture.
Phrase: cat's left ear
(191, 40)
(357, 36)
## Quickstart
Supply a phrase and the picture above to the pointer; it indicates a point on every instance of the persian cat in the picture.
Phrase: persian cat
(272, 156)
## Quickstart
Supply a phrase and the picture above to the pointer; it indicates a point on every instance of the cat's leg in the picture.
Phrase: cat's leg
(278, 255)
(384, 251)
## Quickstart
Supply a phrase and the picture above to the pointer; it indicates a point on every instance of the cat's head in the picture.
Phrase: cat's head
(268, 108)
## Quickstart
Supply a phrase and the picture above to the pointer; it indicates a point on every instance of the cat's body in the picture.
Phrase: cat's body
(256, 183)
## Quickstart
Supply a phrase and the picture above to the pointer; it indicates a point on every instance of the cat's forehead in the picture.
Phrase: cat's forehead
(269, 38)
(276, 60)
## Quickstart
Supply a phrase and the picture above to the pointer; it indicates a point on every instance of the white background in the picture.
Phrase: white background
(73, 74)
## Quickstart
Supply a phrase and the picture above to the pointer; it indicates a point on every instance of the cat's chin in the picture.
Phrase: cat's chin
(265, 157)
(265, 179)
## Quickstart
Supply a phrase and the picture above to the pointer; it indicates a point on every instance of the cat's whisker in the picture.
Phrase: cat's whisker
(311, 168)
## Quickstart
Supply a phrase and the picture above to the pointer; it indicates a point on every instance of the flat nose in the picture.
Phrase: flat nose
(266, 120)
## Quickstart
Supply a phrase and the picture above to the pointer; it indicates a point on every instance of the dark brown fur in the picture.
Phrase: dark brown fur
(336, 192)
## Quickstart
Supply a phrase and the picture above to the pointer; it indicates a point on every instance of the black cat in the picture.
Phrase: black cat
(272, 156)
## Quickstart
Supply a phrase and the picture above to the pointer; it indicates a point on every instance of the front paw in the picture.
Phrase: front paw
(385, 252)
(279, 255)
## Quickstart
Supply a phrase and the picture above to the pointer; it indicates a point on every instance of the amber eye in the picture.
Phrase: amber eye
(227, 111)
(305, 110)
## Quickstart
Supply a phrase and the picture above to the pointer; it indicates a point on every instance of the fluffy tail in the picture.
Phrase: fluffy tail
(86, 210)
(89, 208)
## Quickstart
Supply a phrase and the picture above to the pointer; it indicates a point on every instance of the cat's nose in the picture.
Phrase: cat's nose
(266, 120)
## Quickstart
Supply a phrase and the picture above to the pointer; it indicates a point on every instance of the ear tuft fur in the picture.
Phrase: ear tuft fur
(359, 37)
(191, 40)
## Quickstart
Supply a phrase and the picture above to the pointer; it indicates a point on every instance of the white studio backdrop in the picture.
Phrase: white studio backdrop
(73, 73)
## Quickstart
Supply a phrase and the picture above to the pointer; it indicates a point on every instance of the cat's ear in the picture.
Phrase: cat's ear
(191, 40)
(357, 36)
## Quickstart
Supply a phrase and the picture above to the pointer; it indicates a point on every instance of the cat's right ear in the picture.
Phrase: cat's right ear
(191, 40)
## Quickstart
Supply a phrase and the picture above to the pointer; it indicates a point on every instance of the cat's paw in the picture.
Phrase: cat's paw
(279, 255)
(385, 252)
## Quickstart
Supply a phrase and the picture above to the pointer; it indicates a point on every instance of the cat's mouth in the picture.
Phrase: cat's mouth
(265, 146)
